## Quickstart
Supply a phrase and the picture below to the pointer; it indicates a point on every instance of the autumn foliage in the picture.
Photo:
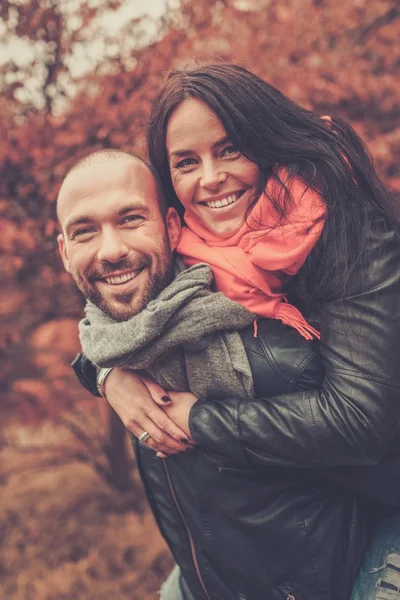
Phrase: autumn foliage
(340, 58)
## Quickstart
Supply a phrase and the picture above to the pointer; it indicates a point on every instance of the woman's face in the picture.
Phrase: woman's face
(212, 179)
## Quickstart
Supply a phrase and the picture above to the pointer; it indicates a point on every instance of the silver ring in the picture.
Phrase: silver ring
(143, 437)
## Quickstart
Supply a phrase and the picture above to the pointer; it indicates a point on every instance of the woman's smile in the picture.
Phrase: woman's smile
(212, 179)
(226, 200)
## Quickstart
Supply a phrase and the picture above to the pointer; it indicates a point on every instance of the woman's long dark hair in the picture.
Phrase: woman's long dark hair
(271, 130)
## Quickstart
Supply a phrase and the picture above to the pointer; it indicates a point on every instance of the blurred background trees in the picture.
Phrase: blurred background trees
(77, 76)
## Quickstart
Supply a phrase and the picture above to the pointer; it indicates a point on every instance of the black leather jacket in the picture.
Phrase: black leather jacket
(254, 511)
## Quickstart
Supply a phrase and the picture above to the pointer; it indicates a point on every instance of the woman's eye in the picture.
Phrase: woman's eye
(230, 151)
(186, 163)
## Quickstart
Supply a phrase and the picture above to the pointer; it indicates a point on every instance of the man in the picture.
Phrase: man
(237, 526)
(117, 244)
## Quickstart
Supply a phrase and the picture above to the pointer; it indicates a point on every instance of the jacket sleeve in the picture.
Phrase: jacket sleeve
(86, 373)
(353, 416)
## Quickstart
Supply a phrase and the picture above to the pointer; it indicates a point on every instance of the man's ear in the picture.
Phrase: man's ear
(63, 251)
(174, 227)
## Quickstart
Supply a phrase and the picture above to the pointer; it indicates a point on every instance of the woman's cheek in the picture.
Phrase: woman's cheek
(183, 190)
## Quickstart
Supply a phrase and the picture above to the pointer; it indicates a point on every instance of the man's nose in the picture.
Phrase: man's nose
(113, 246)
(212, 176)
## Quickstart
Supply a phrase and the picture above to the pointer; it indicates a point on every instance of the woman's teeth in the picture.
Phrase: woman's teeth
(116, 279)
(224, 202)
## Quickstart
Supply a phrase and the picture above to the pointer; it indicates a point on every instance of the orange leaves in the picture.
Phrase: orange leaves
(14, 239)
(334, 56)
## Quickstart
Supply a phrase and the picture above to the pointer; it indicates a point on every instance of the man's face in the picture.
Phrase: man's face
(115, 242)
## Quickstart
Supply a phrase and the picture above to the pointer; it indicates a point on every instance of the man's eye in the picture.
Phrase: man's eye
(132, 219)
(185, 164)
(81, 233)
(230, 151)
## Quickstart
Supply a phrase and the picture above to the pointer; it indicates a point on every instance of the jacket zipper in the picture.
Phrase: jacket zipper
(190, 537)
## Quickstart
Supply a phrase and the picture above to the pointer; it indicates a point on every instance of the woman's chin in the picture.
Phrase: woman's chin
(225, 228)
(224, 221)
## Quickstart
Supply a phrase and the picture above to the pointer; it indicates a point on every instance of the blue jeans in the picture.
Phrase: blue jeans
(379, 578)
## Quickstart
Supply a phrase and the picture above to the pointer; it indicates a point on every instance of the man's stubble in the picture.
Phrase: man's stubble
(159, 271)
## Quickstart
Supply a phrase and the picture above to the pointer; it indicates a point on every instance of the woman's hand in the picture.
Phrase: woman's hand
(178, 411)
(138, 400)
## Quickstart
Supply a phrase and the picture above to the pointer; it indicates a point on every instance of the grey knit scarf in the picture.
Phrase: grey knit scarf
(186, 339)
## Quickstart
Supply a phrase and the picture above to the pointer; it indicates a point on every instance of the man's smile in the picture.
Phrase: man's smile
(121, 278)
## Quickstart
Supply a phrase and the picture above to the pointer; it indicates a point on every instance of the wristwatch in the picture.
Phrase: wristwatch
(102, 375)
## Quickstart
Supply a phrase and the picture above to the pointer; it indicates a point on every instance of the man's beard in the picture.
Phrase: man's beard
(125, 305)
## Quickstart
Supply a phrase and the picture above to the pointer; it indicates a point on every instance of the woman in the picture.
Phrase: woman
(348, 287)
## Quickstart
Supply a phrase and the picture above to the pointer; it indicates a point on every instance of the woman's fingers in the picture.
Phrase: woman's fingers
(132, 401)
(165, 399)
(159, 395)
(159, 440)
(166, 425)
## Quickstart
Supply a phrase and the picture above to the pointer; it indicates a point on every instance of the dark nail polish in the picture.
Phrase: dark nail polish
(165, 399)
(184, 441)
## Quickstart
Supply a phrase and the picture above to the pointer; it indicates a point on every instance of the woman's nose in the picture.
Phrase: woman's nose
(113, 246)
(212, 176)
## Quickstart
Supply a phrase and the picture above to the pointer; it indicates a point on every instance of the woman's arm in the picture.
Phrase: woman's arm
(353, 418)
(281, 361)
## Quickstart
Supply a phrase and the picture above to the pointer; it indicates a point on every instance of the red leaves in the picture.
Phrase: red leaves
(337, 57)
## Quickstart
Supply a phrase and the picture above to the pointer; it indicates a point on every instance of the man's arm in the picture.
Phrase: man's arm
(86, 373)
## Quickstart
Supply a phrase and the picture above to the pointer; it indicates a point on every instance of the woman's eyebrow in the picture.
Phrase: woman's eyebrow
(179, 153)
(185, 152)
(222, 141)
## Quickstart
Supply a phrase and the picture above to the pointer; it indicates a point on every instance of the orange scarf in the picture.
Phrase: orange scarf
(249, 267)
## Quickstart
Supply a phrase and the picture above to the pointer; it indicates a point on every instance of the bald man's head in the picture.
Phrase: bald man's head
(117, 238)
(108, 158)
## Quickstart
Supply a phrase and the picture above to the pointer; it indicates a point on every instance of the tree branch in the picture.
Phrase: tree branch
(388, 17)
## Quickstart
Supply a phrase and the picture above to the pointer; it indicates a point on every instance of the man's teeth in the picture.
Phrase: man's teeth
(116, 279)
(224, 202)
